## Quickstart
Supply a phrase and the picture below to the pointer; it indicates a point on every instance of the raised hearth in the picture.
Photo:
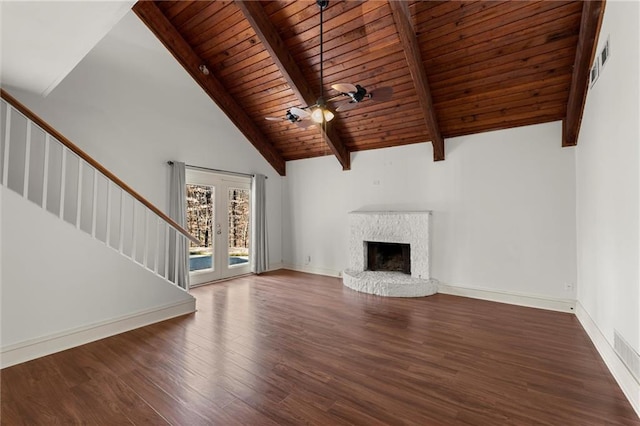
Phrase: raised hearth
(386, 283)
(407, 266)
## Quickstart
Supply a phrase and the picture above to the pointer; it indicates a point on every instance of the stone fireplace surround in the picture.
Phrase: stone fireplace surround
(409, 227)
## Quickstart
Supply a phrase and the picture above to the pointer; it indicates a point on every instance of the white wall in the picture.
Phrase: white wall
(132, 107)
(607, 170)
(503, 202)
(44, 45)
(56, 279)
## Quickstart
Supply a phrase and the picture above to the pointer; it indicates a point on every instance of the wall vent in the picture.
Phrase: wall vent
(598, 63)
(628, 355)
(604, 54)
(594, 72)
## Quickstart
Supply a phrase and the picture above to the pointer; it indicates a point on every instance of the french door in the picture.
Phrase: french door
(218, 214)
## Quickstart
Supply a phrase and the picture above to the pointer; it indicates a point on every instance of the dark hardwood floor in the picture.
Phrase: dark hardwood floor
(293, 348)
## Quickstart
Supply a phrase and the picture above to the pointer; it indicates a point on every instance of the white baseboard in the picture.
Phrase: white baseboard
(630, 387)
(313, 270)
(35, 348)
(520, 299)
(275, 266)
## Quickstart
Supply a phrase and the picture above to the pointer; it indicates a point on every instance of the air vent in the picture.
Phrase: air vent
(628, 355)
(594, 72)
(598, 63)
(605, 53)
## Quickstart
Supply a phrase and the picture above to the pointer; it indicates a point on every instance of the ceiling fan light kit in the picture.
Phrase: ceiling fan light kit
(321, 113)
(351, 94)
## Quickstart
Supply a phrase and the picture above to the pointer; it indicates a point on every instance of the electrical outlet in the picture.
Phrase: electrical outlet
(307, 260)
(568, 286)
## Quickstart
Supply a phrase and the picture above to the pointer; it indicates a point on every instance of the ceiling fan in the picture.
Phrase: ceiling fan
(357, 94)
(350, 95)
(299, 116)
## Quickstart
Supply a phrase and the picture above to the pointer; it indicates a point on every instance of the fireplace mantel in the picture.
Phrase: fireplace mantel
(403, 227)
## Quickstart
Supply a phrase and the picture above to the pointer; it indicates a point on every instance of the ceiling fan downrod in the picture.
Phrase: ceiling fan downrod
(321, 113)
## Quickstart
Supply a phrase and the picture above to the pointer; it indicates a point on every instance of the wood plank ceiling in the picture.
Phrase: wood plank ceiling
(456, 67)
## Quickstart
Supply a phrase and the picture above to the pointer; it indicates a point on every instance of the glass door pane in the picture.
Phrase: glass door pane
(238, 241)
(218, 215)
(200, 219)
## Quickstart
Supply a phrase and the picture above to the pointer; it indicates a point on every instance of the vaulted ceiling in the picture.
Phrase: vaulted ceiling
(456, 67)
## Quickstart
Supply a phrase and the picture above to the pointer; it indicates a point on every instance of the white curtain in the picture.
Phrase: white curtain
(259, 243)
(178, 269)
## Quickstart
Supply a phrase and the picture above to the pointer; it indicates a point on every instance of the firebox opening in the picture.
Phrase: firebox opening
(388, 257)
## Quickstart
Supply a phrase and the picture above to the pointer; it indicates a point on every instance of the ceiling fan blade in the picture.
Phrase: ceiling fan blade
(300, 112)
(381, 94)
(346, 106)
(345, 88)
(305, 124)
(274, 118)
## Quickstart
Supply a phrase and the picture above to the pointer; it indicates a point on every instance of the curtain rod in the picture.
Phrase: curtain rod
(217, 170)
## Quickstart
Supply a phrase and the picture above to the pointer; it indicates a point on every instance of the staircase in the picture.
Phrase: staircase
(84, 256)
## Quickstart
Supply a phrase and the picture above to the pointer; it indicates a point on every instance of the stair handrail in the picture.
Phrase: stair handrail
(86, 157)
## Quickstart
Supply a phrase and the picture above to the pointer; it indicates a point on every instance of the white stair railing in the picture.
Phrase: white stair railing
(46, 168)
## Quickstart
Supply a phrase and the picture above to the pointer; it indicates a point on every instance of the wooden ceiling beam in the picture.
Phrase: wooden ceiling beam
(409, 41)
(273, 43)
(158, 23)
(592, 13)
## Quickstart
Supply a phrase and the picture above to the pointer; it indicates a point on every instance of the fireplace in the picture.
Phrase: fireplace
(389, 254)
(388, 257)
